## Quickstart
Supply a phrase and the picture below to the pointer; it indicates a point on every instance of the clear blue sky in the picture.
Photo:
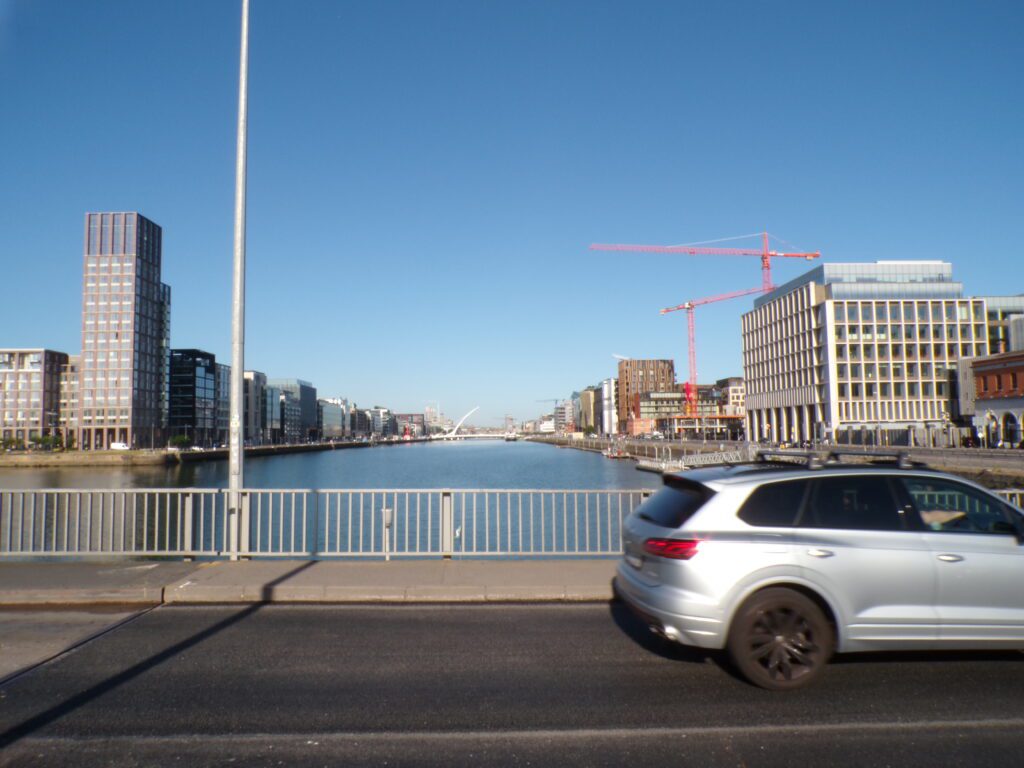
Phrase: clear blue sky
(425, 177)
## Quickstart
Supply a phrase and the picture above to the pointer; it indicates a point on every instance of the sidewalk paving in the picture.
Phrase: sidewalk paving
(50, 584)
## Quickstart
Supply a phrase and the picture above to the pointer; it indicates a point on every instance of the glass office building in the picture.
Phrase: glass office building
(193, 396)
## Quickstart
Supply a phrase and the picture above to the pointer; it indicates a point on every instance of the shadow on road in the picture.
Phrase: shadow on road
(57, 711)
(636, 630)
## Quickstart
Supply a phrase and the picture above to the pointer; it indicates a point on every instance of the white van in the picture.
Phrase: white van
(119, 446)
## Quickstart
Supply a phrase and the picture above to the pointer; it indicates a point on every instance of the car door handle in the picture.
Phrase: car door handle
(950, 558)
(820, 552)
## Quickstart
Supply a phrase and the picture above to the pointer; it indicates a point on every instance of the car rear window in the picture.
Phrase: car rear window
(674, 504)
(774, 505)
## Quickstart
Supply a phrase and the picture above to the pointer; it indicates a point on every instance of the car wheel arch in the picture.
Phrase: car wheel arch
(807, 591)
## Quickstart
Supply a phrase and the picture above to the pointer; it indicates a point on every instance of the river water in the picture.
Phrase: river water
(470, 464)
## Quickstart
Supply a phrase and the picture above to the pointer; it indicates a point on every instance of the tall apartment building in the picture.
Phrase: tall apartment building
(639, 377)
(858, 352)
(125, 334)
(589, 415)
(30, 394)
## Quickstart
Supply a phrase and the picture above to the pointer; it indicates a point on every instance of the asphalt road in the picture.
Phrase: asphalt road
(550, 684)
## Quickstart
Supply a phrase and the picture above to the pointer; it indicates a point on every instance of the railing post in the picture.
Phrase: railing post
(388, 515)
(447, 527)
(243, 523)
(187, 545)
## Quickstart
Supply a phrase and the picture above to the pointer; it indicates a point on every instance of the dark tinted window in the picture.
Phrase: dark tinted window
(673, 505)
(855, 502)
(774, 504)
(945, 505)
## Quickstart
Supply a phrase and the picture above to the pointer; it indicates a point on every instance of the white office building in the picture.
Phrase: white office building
(859, 353)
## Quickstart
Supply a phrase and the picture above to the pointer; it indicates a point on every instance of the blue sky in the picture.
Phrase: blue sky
(425, 177)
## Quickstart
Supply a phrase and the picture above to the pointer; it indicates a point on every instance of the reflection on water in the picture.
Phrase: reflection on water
(468, 464)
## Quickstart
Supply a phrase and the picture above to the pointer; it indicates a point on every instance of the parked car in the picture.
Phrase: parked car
(782, 564)
(119, 446)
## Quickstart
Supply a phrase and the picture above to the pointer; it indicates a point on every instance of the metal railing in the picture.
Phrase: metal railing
(315, 523)
(320, 524)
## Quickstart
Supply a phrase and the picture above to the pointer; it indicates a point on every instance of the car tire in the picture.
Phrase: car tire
(780, 640)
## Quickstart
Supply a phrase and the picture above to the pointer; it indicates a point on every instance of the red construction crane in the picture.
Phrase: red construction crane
(690, 389)
(696, 250)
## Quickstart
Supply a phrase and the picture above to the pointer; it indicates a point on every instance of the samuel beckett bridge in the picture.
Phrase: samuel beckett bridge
(453, 433)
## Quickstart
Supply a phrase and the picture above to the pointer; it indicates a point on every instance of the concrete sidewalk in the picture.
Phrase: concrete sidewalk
(299, 581)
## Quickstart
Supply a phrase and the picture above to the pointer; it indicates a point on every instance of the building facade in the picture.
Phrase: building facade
(30, 395)
(638, 377)
(999, 399)
(609, 407)
(123, 395)
(193, 396)
(331, 420)
(304, 395)
(860, 353)
(223, 431)
(254, 408)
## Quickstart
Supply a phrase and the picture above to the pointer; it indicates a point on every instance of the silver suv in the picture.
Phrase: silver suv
(782, 564)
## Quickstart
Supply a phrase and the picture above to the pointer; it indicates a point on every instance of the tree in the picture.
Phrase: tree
(180, 441)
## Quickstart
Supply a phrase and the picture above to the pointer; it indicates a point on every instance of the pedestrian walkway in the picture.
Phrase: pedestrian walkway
(298, 581)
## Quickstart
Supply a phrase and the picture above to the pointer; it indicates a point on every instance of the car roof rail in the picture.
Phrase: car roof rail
(813, 459)
(809, 459)
(901, 459)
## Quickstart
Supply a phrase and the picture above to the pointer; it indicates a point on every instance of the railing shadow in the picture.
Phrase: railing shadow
(57, 711)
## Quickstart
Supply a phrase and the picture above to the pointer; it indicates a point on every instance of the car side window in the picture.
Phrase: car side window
(853, 502)
(945, 505)
(774, 504)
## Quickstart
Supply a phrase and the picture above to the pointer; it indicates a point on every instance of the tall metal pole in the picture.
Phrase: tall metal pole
(236, 433)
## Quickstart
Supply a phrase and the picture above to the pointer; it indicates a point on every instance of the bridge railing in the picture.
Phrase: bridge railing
(68, 523)
(321, 524)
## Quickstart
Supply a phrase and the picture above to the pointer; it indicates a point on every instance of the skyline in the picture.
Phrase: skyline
(455, 154)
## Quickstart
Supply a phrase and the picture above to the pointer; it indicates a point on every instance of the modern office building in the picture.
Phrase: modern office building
(332, 419)
(638, 377)
(254, 407)
(125, 334)
(304, 395)
(1001, 313)
(193, 396)
(293, 428)
(609, 407)
(271, 423)
(30, 394)
(859, 353)
(223, 430)
(346, 414)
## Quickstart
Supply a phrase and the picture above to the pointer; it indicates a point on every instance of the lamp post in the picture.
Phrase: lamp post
(235, 448)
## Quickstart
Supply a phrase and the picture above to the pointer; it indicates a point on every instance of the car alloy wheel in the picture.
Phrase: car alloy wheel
(780, 640)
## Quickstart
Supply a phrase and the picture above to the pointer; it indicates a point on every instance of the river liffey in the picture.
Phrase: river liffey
(471, 464)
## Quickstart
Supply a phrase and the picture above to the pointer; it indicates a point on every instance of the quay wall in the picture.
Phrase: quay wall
(148, 458)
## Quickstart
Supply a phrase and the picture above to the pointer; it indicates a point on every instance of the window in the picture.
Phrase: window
(774, 504)
(674, 505)
(948, 506)
(852, 503)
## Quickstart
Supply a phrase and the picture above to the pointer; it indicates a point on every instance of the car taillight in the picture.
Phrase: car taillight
(675, 549)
